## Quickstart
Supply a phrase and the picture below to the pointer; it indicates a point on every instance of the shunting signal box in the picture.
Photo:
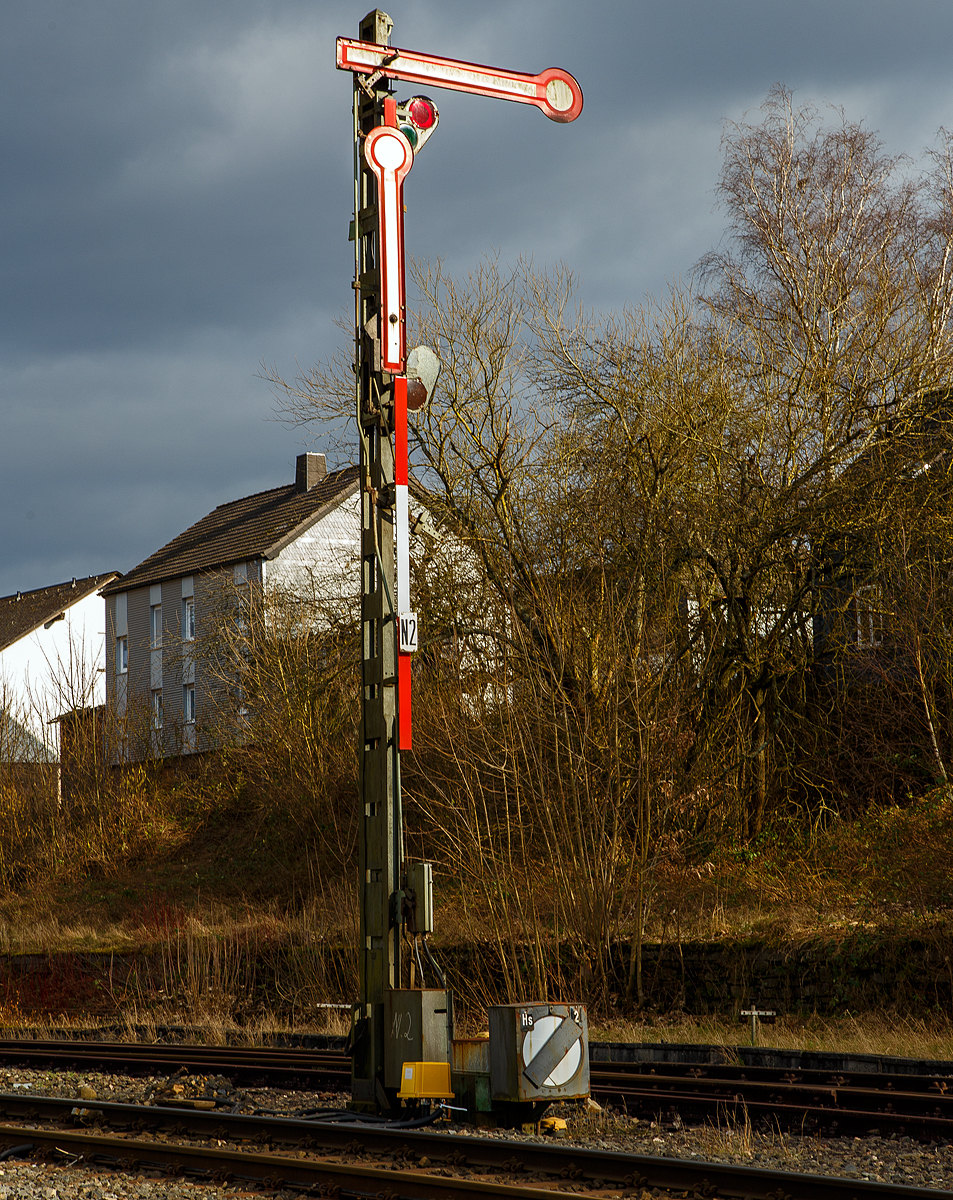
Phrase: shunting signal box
(538, 1052)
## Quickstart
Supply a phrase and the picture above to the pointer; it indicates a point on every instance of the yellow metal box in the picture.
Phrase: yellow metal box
(425, 1081)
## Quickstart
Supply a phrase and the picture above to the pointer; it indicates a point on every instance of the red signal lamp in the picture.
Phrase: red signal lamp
(417, 118)
(422, 112)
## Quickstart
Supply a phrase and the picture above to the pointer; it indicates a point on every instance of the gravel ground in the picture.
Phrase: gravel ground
(44, 1181)
(887, 1160)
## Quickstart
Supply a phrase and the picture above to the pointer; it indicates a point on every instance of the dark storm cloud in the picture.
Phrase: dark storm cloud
(159, 173)
(175, 192)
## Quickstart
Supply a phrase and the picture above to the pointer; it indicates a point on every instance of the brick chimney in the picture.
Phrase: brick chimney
(309, 470)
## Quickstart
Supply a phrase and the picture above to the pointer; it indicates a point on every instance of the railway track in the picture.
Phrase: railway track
(247, 1066)
(358, 1160)
(903, 1105)
(809, 1101)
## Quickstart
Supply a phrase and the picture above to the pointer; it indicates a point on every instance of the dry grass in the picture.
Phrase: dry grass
(260, 968)
(51, 935)
(867, 1033)
(149, 1025)
(219, 969)
(235, 892)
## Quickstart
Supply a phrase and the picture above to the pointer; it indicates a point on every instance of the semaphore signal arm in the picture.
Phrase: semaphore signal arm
(554, 91)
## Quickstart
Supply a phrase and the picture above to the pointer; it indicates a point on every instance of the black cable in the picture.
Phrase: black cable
(419, 1122)
(344, 1116)
(307, 1113)
(22, 1151)
(433, 963)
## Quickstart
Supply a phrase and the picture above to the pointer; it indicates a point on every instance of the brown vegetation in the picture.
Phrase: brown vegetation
(689, 673)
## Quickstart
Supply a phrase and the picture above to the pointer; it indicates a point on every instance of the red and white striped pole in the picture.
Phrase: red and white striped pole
(407, 619)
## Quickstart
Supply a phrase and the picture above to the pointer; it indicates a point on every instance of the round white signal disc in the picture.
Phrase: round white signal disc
(559, 95)
(537, 1038)
(389, 151)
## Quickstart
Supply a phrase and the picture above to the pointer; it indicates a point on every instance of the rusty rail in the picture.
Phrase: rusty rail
(506, 1168)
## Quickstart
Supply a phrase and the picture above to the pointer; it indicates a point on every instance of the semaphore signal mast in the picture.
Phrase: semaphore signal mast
(402, 1035)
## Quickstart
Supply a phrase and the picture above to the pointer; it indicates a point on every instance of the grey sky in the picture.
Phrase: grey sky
(175, 193)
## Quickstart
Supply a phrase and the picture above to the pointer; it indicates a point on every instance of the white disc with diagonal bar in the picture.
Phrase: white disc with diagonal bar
(536, 1041)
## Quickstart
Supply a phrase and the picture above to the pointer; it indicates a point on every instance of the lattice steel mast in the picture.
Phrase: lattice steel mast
(381, 834)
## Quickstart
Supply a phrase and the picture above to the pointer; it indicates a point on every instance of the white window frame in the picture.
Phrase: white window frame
(188, 703)
(869, 616)
(155, 626)
(188, 619)
(158, 713)
(122, 655)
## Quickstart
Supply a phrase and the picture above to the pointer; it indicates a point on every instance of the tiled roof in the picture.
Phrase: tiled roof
(256, 527)
(23, 612)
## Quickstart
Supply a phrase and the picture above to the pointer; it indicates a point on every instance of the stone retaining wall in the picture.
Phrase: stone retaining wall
(862, 972)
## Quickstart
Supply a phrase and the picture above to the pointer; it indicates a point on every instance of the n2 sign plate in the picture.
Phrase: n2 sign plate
(554, 91)
(408, 632)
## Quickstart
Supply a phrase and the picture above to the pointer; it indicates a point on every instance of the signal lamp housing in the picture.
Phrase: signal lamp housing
(423, 367)
(417, 118)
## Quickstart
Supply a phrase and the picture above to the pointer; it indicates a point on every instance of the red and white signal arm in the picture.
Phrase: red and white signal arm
(389, 155)
(554, 90)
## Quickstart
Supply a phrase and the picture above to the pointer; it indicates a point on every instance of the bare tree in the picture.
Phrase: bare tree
(652, 500)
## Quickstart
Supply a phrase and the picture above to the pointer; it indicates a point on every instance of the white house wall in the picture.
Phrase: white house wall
(324, 562)
(52, 670)
(323, 565)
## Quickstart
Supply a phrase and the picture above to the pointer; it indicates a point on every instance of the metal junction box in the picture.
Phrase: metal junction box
(538, 1052)
(415, 1030)
(420, 885)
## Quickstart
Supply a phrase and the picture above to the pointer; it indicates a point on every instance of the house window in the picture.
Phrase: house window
(188, 620)
(122, 655)
(868, 609)
(157, 709)
(188, 703)
(155, 626)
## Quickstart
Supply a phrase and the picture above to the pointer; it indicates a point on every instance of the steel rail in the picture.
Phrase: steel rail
(289, 1069)
(254, 1054)
(910, 1080)
(849, 1109)
(694, 1093)
(263, 1054)
(671, 1107)
(274, 1171)
(913, 1105)
(928, 1081)
(333, 1058)
(540, 1167)
(923, 1103)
